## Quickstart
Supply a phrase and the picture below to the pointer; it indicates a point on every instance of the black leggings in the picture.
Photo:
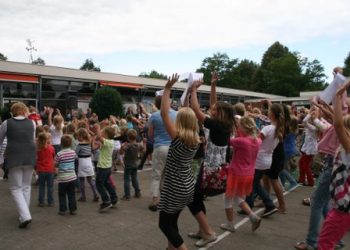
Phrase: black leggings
(197, 205)
(168, 225)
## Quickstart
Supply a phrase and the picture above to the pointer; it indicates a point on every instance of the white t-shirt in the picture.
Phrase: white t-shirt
(55, 135)
(264, 158)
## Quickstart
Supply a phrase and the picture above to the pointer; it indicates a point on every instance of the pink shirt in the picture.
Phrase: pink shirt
(244, 156)
(329, 142)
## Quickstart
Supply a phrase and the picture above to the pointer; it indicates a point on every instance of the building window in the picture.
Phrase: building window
(19, 90)
(54, 89)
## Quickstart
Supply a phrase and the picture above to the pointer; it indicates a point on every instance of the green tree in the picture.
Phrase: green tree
(89, 66)
(39, 61)
(153, 74)
(3, 57)
(347, 65)
(106, 101)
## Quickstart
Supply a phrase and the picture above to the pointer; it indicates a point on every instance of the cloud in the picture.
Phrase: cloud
(67, 28)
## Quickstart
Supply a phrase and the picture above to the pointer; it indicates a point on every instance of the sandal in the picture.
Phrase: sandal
(306, 202)
(302, 245)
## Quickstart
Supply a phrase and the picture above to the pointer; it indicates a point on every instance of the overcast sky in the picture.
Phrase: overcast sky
(134, 36)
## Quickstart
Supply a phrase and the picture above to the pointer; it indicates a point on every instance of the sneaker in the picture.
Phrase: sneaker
(340, 245)
(241, 212)
(96, 198)
(301, 245)
(269, 211)
(125, 198)
(255, 223)
(195, 235)
(73, 212)
(61, 212)
(24, 224)
(41, 205)
(205, 240)
(114, 203)
(152, 207)
(104, 206)
(228, 227)
(138, 195)
(82, 199)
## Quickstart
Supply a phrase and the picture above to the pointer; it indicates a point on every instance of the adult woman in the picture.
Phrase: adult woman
(20, 133)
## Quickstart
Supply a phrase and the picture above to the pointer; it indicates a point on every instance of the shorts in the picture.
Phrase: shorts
(277, 162)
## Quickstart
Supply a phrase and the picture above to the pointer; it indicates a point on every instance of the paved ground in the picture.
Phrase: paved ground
(132, 226)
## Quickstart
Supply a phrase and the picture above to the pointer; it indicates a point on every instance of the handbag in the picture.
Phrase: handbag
(213, 180)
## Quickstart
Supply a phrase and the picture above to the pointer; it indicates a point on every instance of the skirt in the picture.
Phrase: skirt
(86, 168)
(237, 185)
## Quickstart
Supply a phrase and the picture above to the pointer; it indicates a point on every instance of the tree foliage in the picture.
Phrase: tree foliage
(153, 74)
(106, 101)
(3, 57)
(89, 66)
(347, 65)
(39, 61)
(280, 72)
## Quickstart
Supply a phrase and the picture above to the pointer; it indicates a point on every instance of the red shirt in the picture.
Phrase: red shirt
(36, 118)
(45, 160)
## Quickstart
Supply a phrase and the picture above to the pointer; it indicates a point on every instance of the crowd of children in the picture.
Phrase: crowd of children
(265, 139)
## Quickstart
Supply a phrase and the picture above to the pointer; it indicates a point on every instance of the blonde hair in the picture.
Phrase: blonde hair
(346, 120)
(187, 127)
(248, 126)
(19, 108)
(58, 122)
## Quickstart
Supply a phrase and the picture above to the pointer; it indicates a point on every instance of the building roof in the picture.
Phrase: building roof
(60, 72)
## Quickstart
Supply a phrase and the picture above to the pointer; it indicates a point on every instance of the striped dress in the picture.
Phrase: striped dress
(66, 167)
(178, 180)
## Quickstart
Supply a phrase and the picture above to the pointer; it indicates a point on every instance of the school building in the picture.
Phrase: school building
(67, 88)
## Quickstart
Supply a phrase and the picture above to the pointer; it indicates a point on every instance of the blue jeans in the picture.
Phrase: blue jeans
(319, 206)
(286, 176)
(260, 191)
(104, 186)
(46, 180)
(130, 173)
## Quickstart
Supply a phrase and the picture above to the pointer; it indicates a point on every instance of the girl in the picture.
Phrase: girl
(177, 188)
(270, 135)
(86, 168)
(56, 129)
(241, 172)
(337, 222)
(220, 127)
(45, 167)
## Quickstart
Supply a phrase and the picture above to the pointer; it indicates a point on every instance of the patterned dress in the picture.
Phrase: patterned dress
(177, 188)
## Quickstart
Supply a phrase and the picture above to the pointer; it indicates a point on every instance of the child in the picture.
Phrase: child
(56, 128)
(86, 168)
(241, 173)
(103, 171)
(45, 168)
(177, 188)
(337, 223)
(131, 149)
(65, 162)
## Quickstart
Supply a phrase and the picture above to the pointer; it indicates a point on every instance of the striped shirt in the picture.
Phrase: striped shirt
(65, 160)
(83, 150)
(178, 186)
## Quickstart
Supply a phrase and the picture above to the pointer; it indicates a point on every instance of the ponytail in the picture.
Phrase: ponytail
(277, 110)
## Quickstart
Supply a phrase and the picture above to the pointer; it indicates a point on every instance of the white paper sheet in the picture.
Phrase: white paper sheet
(328, 94)
(191, 77)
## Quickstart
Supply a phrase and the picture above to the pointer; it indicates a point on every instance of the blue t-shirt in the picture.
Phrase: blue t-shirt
(160, 135)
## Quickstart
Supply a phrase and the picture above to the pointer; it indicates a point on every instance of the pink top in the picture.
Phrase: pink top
(329, 142)
(244, 156)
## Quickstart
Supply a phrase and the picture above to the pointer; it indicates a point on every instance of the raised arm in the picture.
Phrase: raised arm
(194, 102)
(214, 80)
(165, 106)
(338, 120)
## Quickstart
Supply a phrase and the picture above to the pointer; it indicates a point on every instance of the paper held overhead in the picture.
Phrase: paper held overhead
(191, 77)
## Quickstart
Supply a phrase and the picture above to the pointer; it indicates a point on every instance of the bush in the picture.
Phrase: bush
(106, 101)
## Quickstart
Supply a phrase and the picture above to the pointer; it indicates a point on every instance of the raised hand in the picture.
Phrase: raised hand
(214, 77)
(343, 88)
(171, 81)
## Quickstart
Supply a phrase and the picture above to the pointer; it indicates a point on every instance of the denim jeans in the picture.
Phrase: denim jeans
(104, 187)
(260, 191)
(319, 206)
(67, 190)
(286, 176)
(130, 173)
(46, 180)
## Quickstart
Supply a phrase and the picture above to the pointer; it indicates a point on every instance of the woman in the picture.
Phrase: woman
(20, 133)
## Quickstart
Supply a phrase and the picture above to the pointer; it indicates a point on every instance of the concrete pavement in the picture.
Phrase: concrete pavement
(132, 226)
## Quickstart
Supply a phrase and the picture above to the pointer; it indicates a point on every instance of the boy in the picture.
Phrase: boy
(65, 163)
(131, 150)
(103, 170)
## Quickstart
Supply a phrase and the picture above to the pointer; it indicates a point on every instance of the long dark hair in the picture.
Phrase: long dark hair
(277, 110)
(225, 114)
